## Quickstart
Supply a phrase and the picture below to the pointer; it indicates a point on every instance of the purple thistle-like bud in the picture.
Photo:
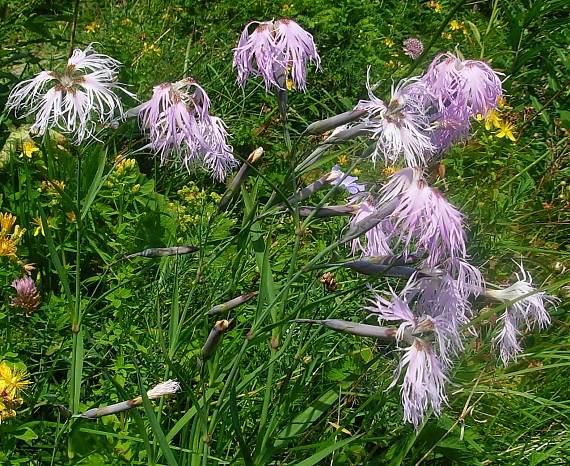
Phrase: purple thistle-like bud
(27, 295)
(272, 47)
(424, 382)
(413, 48)
(527, 307)
(424, 219)
(178, 121)
(349, 183)
(401, 127)
(72, 101)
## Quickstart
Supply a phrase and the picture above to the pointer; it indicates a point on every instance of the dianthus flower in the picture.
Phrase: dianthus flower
(275, 50)
(413, 48)
(73, 101)
(526, 308)
(178, 121)
(401, 127)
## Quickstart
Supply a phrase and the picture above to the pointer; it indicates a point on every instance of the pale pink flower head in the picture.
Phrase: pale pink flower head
(401, 127)
(424, 222)
(275, 49)
(413, 48)
(170, 387)
(27, 295)
(179, 124)
(526, 308)
(377, 239)
(74, 101)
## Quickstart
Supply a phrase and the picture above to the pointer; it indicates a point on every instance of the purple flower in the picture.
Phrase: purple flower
(413, 48)
(395, 309)
(424, 382)
(424, 219)
(349, 183)
(377, 238)
(273, 49)
(72, 101)
(401, 127)
(526, 307)
(27, 295)
(178, 121)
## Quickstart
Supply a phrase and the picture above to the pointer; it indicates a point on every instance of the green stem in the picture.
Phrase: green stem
(73, 28)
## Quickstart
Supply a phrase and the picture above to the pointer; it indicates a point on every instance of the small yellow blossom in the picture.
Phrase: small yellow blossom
(151, 49)
(71, 217)
(506, 130)
(124, 165)
(17, 234)
(126, 22)
(492, 119)
(289, 84)
(388, 42)
(436, 6)
(389, 171)
(7, 221)
(12, 381)
(342, 159)
(7, 247)
(94, 26)
(28, 148)
(286, 7)
(391, 64)
(356, 172)
(457, 26)
(136, 188)
(446, 35)
(39, 226)
(53, 187)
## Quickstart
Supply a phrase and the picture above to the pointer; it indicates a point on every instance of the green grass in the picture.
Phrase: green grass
(274, 392)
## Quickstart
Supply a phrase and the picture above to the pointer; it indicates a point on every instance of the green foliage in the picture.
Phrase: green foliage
(273, 392)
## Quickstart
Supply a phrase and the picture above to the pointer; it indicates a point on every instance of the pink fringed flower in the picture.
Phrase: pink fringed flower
(178, 121)
(424, 220)
(377, 238)
(527, 308)
(275, 50)
(401, 127)
(27, 295)
(73, 101)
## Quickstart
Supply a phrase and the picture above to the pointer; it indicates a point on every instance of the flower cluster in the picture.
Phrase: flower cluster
(10, 235)
(27, 295)
(278, 51)
(12, 381)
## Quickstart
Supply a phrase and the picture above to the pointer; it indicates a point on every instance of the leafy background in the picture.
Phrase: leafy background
(319, 397)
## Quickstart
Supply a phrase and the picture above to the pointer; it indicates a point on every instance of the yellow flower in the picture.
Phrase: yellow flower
(342, 159)
(492, 120)
(506, 130)
(28, 148)
(456, 25)
(7, 247)
(17, 234)
(388, 42)
(71, 217)
(389, 171)
(436, 6)
(39, 229)
(12, 381)
(446, 35)
(126, 22)
(7, 221)
(289, 84)
(53, 187)
(94, 26)
(391, 64)
(124, 165)
(151, 49)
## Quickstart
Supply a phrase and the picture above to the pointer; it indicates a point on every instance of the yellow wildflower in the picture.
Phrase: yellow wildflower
(151, 49)
(53, 187)
(446, 35)
(93, 26)
(342, 159)
(12, 381)
(71, 217)
(492, 120)
(7, 221)
(39, 226)
(17, 234)
(289, 84)
(391, 64)
(126, 22)
(29, 147)
(7, 247)
(388, 42)
(389, 171)
(124, 165)
(506, 130)
(456, 25)
(436, 6)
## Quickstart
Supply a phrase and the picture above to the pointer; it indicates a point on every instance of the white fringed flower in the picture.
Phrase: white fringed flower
(170, 387)
(73, 101)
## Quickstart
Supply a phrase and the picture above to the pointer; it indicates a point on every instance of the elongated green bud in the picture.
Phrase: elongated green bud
(328, 211)
(232, 303)
(239, 179)
(354, 328)
(160, 252)
(219, 328)
(321, 126)
(308, 191)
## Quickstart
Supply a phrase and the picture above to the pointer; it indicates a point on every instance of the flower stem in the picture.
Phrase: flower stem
(73, 28)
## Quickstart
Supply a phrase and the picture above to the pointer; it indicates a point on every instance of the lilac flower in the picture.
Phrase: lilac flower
(424, 382)
(424, 219)
(527, 307)
(27, 295)
(377, 238)
(395, 309)
(273, 49)
(178, 121)
(401, 127)
(413, 48)
(72, 101)
(349, 183)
